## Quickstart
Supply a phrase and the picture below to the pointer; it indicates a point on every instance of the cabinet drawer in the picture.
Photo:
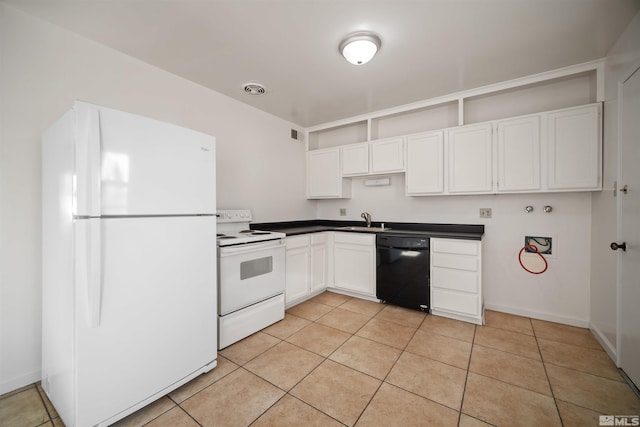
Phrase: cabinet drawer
(452, 246)
(457, 280)
(456, 262)
(455, 301)
(319, 238)
(293, 242)
(355, 238)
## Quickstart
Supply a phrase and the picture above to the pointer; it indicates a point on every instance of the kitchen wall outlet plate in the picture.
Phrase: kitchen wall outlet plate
(485, 212)
(343, 211)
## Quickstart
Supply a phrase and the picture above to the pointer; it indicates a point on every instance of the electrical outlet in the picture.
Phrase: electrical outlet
(543, 244)
(343, 211)
(485, 212)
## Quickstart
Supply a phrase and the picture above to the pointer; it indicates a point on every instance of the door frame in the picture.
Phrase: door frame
(635, 68)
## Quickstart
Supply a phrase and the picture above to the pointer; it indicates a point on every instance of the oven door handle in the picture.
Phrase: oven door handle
(251, 247)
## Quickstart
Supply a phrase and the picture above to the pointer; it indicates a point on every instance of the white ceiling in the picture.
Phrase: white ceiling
(429, 47)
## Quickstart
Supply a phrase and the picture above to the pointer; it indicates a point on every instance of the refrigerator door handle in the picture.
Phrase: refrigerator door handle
(89, 267)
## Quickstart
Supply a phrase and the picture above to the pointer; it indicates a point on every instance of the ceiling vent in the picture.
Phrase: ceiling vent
(255, 89)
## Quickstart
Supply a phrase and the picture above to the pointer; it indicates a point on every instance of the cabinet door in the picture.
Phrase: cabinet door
(318, 274)
(387, 156)
(469, 149)
(355, 159)
(324, 179)
(519, 154)
(353, 265)
(297, 274)
(574, 148)
(354, 262)
(425, 162)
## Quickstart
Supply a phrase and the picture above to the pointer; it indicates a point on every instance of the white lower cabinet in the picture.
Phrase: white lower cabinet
(354, 263)
(456, 279)
(306, 266)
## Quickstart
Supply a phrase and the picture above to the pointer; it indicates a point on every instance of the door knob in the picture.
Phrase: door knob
(615, 246)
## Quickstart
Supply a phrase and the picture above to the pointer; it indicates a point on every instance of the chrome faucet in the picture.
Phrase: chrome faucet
(367, 217)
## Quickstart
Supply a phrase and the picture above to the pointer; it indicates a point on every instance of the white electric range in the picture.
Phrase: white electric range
(251, 277)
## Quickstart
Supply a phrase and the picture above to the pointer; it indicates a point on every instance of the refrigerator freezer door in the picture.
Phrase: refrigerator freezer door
(157, 310)
(132, 165)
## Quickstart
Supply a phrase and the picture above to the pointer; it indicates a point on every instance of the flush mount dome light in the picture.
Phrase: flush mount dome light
(358, 48)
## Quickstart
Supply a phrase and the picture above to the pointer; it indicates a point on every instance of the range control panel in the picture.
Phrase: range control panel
(233, 215)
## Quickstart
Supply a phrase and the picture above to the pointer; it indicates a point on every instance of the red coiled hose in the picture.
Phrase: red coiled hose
(533, 249)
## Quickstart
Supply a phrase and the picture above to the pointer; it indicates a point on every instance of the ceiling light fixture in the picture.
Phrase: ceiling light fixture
(358, 48)
(254, 88)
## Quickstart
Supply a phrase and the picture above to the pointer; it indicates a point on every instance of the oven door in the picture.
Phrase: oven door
(249, 273)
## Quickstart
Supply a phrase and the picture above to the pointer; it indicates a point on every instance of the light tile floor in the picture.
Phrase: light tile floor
(336, 360)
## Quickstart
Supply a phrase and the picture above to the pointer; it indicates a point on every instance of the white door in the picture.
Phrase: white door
(156, 299)
(629, 205)
(133, 165)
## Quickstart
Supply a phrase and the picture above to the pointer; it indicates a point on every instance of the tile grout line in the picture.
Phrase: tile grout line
(383, 381)
(544, 366)
(466, 379)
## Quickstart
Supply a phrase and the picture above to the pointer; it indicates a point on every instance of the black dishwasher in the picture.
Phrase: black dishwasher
(402, 270)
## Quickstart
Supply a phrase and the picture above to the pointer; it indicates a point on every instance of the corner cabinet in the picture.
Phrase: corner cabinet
(324, 175)
(456, 279)
(306, 266)
(354, 263)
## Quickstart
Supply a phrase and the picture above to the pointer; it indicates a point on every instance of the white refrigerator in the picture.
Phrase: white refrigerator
(129, 276)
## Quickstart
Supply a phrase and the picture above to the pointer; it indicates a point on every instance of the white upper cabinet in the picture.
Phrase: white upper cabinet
(470, 159)
(425, 164)
(355, 159)
(574, 148)
(387, 155)
(324, 175)
(518, 149)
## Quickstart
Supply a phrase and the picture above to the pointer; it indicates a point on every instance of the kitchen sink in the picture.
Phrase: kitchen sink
(365, 229)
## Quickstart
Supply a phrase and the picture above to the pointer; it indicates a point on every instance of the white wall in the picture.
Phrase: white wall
(621, 60)
(561, 294)
(43, 70)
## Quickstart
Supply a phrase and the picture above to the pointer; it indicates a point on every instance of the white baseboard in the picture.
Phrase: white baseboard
(21, 381)
(605, 343)
(550, 317)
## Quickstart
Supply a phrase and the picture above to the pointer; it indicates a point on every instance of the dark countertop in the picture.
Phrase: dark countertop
(450, 231)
